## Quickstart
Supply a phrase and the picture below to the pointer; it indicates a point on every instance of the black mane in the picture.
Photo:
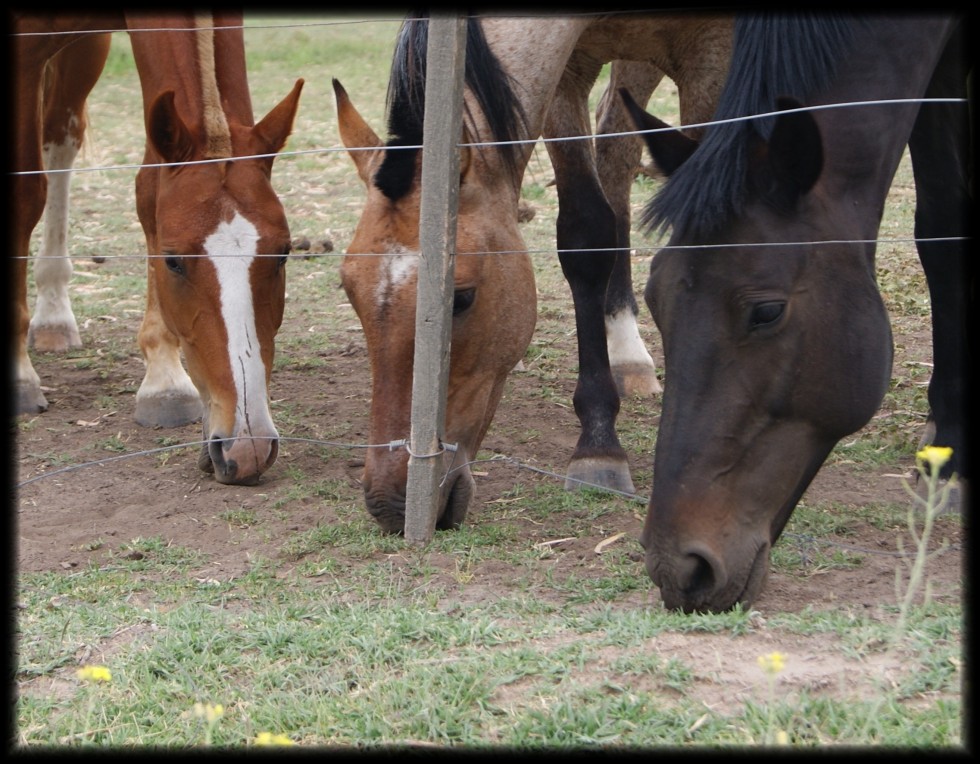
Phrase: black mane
(405, 103)
(773, 54)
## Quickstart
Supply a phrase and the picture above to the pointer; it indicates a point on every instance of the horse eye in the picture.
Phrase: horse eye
(766, 313)
(174, 264)
(463, 299)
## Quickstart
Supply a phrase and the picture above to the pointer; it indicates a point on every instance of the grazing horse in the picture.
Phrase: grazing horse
(524, 77)
(776, 340)
(213, 290)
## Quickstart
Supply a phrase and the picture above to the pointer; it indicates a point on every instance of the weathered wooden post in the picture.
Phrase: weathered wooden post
(445, 60)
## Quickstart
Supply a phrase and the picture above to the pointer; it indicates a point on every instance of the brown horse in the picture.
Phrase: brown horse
(215, 231)
(525, 77)
(776, 340)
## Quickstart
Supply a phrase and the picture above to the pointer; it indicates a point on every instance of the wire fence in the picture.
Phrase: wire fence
(497, 459)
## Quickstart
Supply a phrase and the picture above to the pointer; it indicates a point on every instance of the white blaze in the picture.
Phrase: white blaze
(397, 268)
(232, 248)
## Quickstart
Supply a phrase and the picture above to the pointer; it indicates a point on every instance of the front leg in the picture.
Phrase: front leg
(167, 397)
(587, 242)
(944, 206)
(598, 458)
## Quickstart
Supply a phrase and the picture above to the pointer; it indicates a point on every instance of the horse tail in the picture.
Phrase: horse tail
(405, 101)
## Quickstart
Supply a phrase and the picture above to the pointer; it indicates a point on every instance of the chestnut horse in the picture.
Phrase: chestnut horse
(216, 233)
(524, 77)
(775, 353)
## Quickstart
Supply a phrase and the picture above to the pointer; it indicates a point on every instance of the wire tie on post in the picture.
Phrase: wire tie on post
(442, 449)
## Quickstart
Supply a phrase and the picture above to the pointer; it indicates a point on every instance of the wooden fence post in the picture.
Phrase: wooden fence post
(445, 59)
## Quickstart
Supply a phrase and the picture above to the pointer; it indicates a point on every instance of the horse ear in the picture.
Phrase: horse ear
(166, 131)
(669, 149)
(794, 154)
(276, 126)
(357, 135)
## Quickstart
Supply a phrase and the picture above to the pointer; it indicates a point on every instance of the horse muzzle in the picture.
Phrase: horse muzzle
(241, 460)
(695, 578)
(385, 491)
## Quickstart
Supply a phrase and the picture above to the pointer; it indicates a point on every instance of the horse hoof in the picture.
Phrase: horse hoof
(636, 381)
(53, 339)
(29, 399)
(168, 410)
(599, 472)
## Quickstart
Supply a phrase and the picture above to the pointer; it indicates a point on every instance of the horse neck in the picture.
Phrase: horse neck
(204, 68)
(891, 60)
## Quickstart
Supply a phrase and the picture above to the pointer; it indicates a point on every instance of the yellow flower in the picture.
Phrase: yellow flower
(772, 663)
(94, 674)
(934, 456)
(210, 712)
(270, 738)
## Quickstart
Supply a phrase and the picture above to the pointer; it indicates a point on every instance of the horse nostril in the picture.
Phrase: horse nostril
(694, 573)
(273, 452)
(216, 448)
(698, 571)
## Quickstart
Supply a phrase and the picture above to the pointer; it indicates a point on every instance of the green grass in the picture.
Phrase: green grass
(307, 658)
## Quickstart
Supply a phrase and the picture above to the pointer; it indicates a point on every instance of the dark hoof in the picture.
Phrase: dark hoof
(609, 473)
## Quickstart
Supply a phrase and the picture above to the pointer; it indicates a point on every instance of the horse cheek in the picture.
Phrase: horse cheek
(849, 389)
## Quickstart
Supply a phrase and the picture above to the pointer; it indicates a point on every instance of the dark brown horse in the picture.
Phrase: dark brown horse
(776, 340)
(216, 232)
(525, 77)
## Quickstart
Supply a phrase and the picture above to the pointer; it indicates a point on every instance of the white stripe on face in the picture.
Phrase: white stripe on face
(232, 248)
(396, 269)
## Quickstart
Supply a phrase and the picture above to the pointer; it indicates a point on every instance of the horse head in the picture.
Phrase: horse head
(772, 355)
(494, 313)
(218, 241)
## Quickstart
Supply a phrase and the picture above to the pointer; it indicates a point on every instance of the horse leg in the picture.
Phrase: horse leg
(586, 236)
(939, 147)
(166, 397)
(27, 194)
(617, 160)
(70, 78)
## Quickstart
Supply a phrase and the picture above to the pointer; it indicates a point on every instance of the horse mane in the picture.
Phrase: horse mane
(773, 54)
(405, 102)
(216, 128)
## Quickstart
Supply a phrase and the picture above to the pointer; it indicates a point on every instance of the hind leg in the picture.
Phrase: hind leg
(617, 161)
(72, 75)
